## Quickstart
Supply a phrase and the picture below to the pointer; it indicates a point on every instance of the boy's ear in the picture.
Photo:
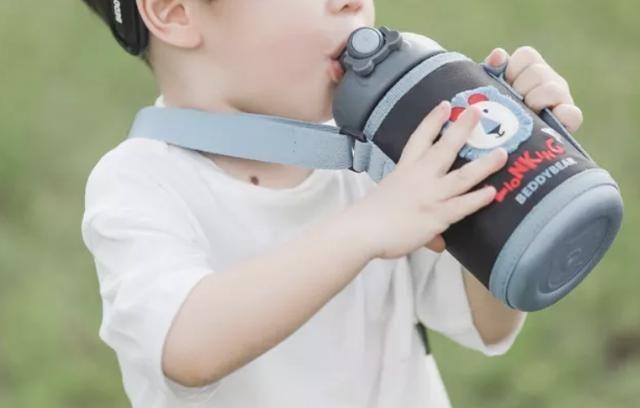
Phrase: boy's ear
(171, 22)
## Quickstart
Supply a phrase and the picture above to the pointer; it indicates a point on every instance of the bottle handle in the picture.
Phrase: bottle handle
(497, 72)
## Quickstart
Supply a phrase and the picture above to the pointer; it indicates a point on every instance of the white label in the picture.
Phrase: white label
(117, 11)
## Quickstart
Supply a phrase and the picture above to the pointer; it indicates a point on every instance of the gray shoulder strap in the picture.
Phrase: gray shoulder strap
(262, 137)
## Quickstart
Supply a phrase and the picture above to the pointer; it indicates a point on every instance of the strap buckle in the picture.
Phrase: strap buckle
(356, 134)
(358, 165)
(368, 157)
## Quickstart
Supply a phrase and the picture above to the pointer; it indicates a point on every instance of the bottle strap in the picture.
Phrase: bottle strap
(263, 137)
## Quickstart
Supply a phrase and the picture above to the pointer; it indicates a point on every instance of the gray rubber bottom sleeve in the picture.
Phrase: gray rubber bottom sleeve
(502, 274)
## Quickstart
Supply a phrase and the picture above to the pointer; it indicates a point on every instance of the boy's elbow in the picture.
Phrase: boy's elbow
(497, 337)
(188, 365)
(188, 370)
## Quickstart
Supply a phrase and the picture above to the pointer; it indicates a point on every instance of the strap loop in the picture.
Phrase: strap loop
(361, 155)
(368, 157)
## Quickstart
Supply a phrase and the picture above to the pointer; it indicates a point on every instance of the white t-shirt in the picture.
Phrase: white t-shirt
(158, 218)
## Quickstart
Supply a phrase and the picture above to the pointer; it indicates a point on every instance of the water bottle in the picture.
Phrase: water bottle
(556, 212)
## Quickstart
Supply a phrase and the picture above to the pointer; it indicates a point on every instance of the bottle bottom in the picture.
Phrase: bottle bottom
(559, 242)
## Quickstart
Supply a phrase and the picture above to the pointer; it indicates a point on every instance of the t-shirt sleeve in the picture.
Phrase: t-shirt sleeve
(442, 305)
(148, 255)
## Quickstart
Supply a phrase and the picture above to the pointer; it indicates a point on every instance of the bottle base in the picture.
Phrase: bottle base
(559, 242)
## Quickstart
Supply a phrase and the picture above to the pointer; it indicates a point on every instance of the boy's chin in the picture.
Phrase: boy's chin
(322, 118)
(325, 110)
(317, 108)
(315, 113)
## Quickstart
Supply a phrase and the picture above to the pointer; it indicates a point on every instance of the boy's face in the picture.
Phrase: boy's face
(275, 56)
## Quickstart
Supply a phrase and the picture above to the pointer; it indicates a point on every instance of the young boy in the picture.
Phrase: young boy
(229, 282)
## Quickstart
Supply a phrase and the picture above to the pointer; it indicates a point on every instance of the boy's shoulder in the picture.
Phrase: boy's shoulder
(135, 167)
(133, 152)
(139, 155)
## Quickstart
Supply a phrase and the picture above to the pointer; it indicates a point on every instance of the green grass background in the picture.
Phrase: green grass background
(68, 94)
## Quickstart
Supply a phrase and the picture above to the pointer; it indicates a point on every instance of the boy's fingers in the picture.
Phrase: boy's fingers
(437, 244)
(426, 132)
(471, 174)
(548, 95)
(535, 75)
(569, 115)
(497, 57)
(443, 153)
(457, 208)
(521, 59)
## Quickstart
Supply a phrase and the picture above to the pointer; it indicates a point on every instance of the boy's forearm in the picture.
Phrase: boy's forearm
(233, 316)
(492, 318)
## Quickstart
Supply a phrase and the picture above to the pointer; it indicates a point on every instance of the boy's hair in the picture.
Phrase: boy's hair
(102, 9)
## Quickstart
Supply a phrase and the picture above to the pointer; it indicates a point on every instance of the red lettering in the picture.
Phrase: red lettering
(501, 194)
(546, 155)
(526, 163)
(553, 146)
(530, 162)
(517, 169)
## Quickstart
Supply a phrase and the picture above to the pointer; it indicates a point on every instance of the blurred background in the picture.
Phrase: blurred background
(68, 95)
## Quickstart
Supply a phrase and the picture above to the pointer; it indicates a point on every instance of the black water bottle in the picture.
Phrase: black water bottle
(555, 213)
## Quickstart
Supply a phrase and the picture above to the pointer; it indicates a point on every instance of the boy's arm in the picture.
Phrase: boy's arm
(451, 301)
(494, 320)
(232, 317)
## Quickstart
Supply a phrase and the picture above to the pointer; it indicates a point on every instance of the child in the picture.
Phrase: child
(229, 282)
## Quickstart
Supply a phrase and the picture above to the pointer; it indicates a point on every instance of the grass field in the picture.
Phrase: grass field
(68, 95)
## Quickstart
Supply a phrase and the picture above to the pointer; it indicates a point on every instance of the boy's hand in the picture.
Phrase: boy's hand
(542, 87)
(419, 199)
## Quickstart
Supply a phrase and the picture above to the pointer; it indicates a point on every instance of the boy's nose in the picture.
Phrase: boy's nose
(338, 6)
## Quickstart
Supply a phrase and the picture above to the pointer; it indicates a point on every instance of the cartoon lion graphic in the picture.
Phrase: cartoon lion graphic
(504, 122)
